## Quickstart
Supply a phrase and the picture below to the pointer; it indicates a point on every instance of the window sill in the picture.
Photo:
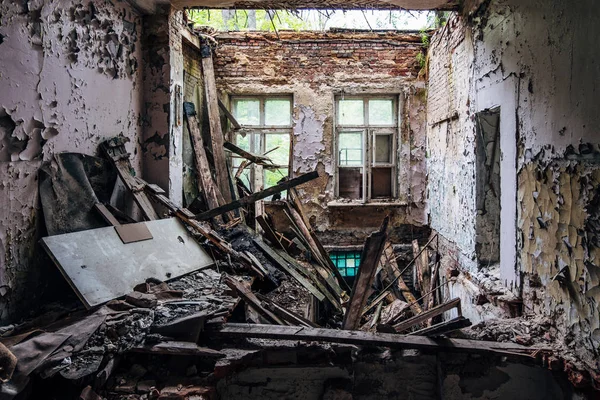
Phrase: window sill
(358, 203)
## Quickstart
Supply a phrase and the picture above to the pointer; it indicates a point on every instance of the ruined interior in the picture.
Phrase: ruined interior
(318, 214)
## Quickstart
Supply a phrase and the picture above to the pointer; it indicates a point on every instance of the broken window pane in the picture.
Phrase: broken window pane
(383, 149)
(350, 149)
(278, 112)
(280, 156)
(247, 111)
(381, 182)
(350, 185)
(381, 112)
(351, 112)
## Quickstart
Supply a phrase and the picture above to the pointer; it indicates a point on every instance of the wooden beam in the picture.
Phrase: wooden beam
(444, 327)
(229, 115)
(393, 340)
(258, 196)
(366, 272)
(114, 149)
(433, 286)
(250, 299)
(423, 271)
(106, 215)
(258, 160)
(211, 192)
(177, 348)
(425, 315)
(285, 314)
(283, 264)
(403, 288)
(214, 122)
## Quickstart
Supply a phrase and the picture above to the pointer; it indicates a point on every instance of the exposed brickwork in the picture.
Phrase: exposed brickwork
(317, 55)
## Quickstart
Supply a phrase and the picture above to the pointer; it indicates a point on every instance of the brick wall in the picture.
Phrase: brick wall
(317, 55)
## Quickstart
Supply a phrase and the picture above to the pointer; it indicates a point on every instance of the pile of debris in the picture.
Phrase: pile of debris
(197, 283)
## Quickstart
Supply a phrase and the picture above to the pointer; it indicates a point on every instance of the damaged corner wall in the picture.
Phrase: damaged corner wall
(538, 64)
(69, 77)
(314, 68)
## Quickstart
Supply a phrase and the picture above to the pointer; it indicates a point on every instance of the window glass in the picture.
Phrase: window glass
(350, 149)
(347, 262)
(381, 112)
(247, 111)
(383, 149)
(281, 141)
(351, 112)
(272, 178)
(277, 112)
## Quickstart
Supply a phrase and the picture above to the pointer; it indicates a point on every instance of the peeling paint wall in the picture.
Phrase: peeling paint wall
(69, 77)
(538, 61)
(314, 67)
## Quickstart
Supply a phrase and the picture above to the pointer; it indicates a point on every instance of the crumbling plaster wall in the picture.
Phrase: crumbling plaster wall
(538, 62)
(69, 77)
(314, 67)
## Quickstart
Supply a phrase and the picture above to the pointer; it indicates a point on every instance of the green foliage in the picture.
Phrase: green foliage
(225, 20)
(421, 59)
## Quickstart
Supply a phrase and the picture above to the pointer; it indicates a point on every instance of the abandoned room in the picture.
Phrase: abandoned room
(276, 208)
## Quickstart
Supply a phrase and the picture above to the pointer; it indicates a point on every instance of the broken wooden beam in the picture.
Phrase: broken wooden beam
(283, 264)
(229, 115)
(214, 122)
(390, 262)
(444, 327)
(211, 192)
(178, 348)
(393, 340)
(114, 149)
(285, 314)
(258, 160)
(366, 272)
(252, 301)
(258, 196)
(426, 315)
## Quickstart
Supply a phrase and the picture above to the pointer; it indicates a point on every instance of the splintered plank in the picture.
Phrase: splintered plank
(285, 314)
(283, 264)
(114, 149)
(250, 299)
(394, 340)
(366, 272)
(423, 271)
(214, 121)
(229, 115)
(176, 348)
(403, 288)
(444, 327)
(100, 267)
(211, 192)
(258, 160)
(254, 197)
(425, 315)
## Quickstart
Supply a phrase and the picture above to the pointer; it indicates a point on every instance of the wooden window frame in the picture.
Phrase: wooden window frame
(369, 132)
(258, 173)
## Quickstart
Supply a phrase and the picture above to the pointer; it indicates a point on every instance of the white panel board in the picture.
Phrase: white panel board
(100, 267)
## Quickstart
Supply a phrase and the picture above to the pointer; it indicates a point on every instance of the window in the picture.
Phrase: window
(366, 128)
(268, 120)
(347, 262)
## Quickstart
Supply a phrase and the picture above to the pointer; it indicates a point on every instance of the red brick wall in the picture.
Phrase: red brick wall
(317, 56)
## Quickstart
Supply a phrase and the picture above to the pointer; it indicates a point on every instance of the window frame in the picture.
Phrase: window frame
(261, 131)
(369, 131)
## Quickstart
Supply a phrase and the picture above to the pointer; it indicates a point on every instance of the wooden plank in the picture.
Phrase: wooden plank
(258, 196)
(258, 160)
(214, 122)
(229, 115)
(425, 315)
(100, 267)
(366, 272)
(402, 286)
(444, 327)
(423, 271)
(252, 301)
(433, 286)
(284, 313)
(106, 215)
(314, 277)
(283, 264)
(393, 340)
(211, 192)
(378, 300)
(376, 315)
(178, 348)
(114, 149)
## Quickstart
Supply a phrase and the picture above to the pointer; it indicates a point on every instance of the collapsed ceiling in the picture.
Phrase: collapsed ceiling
(329, 4)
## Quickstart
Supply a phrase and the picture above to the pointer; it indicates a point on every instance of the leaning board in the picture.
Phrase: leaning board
(99, 267)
